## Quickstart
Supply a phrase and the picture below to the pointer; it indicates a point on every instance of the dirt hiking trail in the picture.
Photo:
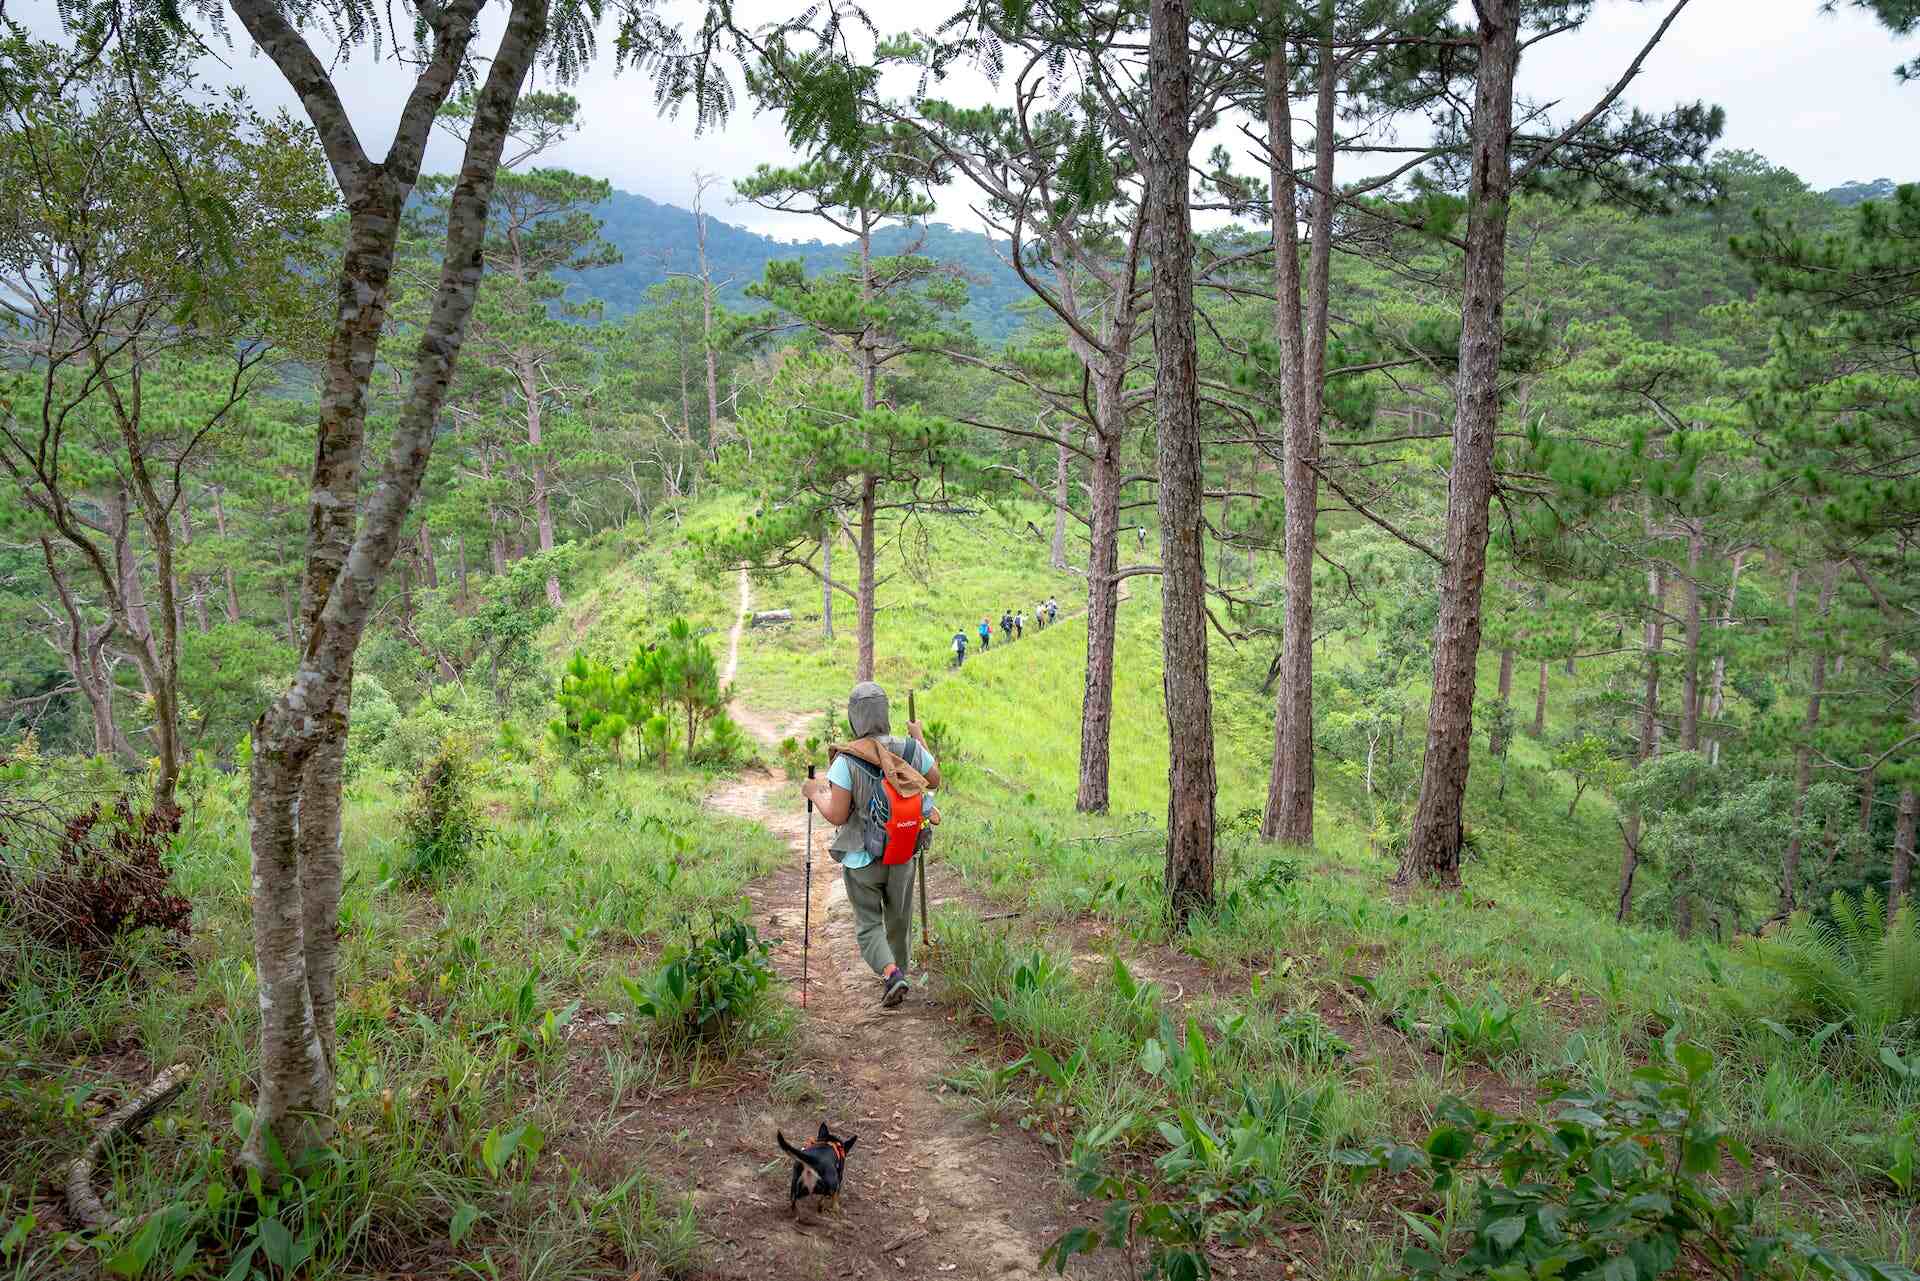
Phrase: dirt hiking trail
(931, 1191)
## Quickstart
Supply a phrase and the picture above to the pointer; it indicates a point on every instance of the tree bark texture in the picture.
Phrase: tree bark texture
(1717, 695)
(1803, 754)
(1540, 704)
(1103, 605)
(220, 527)
(1062, 458)
(1433, 846)
(1301, 339)
(1690, 675)
(863, 666)
(294, 808)
(1182, 496)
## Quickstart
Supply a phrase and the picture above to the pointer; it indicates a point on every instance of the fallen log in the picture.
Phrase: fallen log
(123, 1122)
(772, 617)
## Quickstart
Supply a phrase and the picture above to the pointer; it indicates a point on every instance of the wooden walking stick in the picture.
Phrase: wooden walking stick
(926, 847)
(806, 913)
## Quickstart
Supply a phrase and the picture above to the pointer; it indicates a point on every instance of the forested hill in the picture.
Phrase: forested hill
(655, 239)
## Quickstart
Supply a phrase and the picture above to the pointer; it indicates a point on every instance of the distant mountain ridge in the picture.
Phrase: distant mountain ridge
(659, 239)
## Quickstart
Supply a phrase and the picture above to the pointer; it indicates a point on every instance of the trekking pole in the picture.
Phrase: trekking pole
(926, 943)
(806, 913)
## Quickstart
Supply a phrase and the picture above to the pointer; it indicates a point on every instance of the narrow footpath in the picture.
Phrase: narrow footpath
(931, 1190)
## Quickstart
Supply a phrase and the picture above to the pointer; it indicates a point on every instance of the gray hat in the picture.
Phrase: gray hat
(867, 710)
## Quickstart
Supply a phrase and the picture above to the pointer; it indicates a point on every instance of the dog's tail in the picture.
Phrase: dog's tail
(787, 1147)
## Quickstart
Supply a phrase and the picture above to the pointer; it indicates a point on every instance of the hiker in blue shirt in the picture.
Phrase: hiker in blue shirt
(986, 632)
(880, 893)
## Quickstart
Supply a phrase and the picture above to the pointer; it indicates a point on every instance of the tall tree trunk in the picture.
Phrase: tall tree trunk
(1057, 556)
(1496, 736)
(460, 565)
(1900, 883)
(826, 578)
(155, 655)
(226, 555)
(1803, 754)
(1647, 743)
(706, 313)
(83, 651)
(298, 740)
(863, 666)
(1433, 845)
(1301, 336)
(429, 566)
(198, 582)
(1103, 600)
(542, 505)
(1690, 677)
(1176, 398)
(1540, 704)
(1716, 699)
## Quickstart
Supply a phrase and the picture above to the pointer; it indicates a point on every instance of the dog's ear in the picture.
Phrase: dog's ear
(825, 1133)
(851, 1140)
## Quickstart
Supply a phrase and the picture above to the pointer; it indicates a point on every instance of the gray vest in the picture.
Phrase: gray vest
(852, 834)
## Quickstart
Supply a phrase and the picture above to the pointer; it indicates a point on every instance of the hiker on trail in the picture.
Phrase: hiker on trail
(1019, 624)
(1006, 623)
(986, 633)
(1053, 610)
(1040, 617)
(875, 793)
(960, 648)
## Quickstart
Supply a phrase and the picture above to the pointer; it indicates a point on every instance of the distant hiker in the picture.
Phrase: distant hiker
(1006, 623)
(875, 793)
(1140, 537)
(986, 633)
(1053, 610)
(1019, 624)
(960, 648)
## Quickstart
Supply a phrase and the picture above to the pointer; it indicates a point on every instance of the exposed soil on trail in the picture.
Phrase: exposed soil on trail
(931, 1191)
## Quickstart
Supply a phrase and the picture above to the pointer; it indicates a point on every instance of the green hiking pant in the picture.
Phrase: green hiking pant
(882, 899)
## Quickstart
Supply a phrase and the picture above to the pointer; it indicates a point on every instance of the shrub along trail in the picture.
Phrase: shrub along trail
(931, 1192)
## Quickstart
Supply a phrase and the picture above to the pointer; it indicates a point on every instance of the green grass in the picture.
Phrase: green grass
(943, 574)
(488, 1003)
(1334, 1011)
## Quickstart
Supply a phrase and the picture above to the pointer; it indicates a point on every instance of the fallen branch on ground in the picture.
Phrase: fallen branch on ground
(123, 1122)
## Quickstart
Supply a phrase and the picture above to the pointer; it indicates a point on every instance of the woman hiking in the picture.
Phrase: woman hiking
(875, 787)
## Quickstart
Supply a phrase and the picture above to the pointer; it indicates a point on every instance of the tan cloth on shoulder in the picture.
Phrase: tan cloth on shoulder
(906, 780)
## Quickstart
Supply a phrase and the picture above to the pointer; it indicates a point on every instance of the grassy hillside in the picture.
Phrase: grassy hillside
(1314, 1015)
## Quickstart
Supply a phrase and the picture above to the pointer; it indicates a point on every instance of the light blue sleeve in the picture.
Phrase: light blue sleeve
(840, 773)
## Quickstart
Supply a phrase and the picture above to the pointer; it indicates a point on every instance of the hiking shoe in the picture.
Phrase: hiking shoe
(895, 990)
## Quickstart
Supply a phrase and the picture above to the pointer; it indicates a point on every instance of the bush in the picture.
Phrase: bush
(1857, 969)
(104, 877)
(375, 718)
(705, 988)
(1613, 1185)
(442, 824)
(725, 744)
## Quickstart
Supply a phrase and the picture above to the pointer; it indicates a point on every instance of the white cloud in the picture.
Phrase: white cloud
(1811, 91)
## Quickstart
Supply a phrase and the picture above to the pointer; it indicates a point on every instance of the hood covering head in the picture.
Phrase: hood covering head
(867, 710)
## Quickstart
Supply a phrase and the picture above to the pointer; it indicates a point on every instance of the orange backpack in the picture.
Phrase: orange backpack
(894, 822)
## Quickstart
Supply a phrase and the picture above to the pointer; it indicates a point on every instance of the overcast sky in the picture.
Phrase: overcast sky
(1811, 91)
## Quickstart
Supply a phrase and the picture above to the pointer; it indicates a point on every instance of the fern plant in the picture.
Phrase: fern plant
(1859, 968)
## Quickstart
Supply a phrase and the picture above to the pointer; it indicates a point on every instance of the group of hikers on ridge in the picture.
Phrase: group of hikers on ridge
(1013, 625)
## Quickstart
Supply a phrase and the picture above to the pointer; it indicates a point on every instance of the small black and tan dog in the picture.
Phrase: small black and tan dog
(819, 1168)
